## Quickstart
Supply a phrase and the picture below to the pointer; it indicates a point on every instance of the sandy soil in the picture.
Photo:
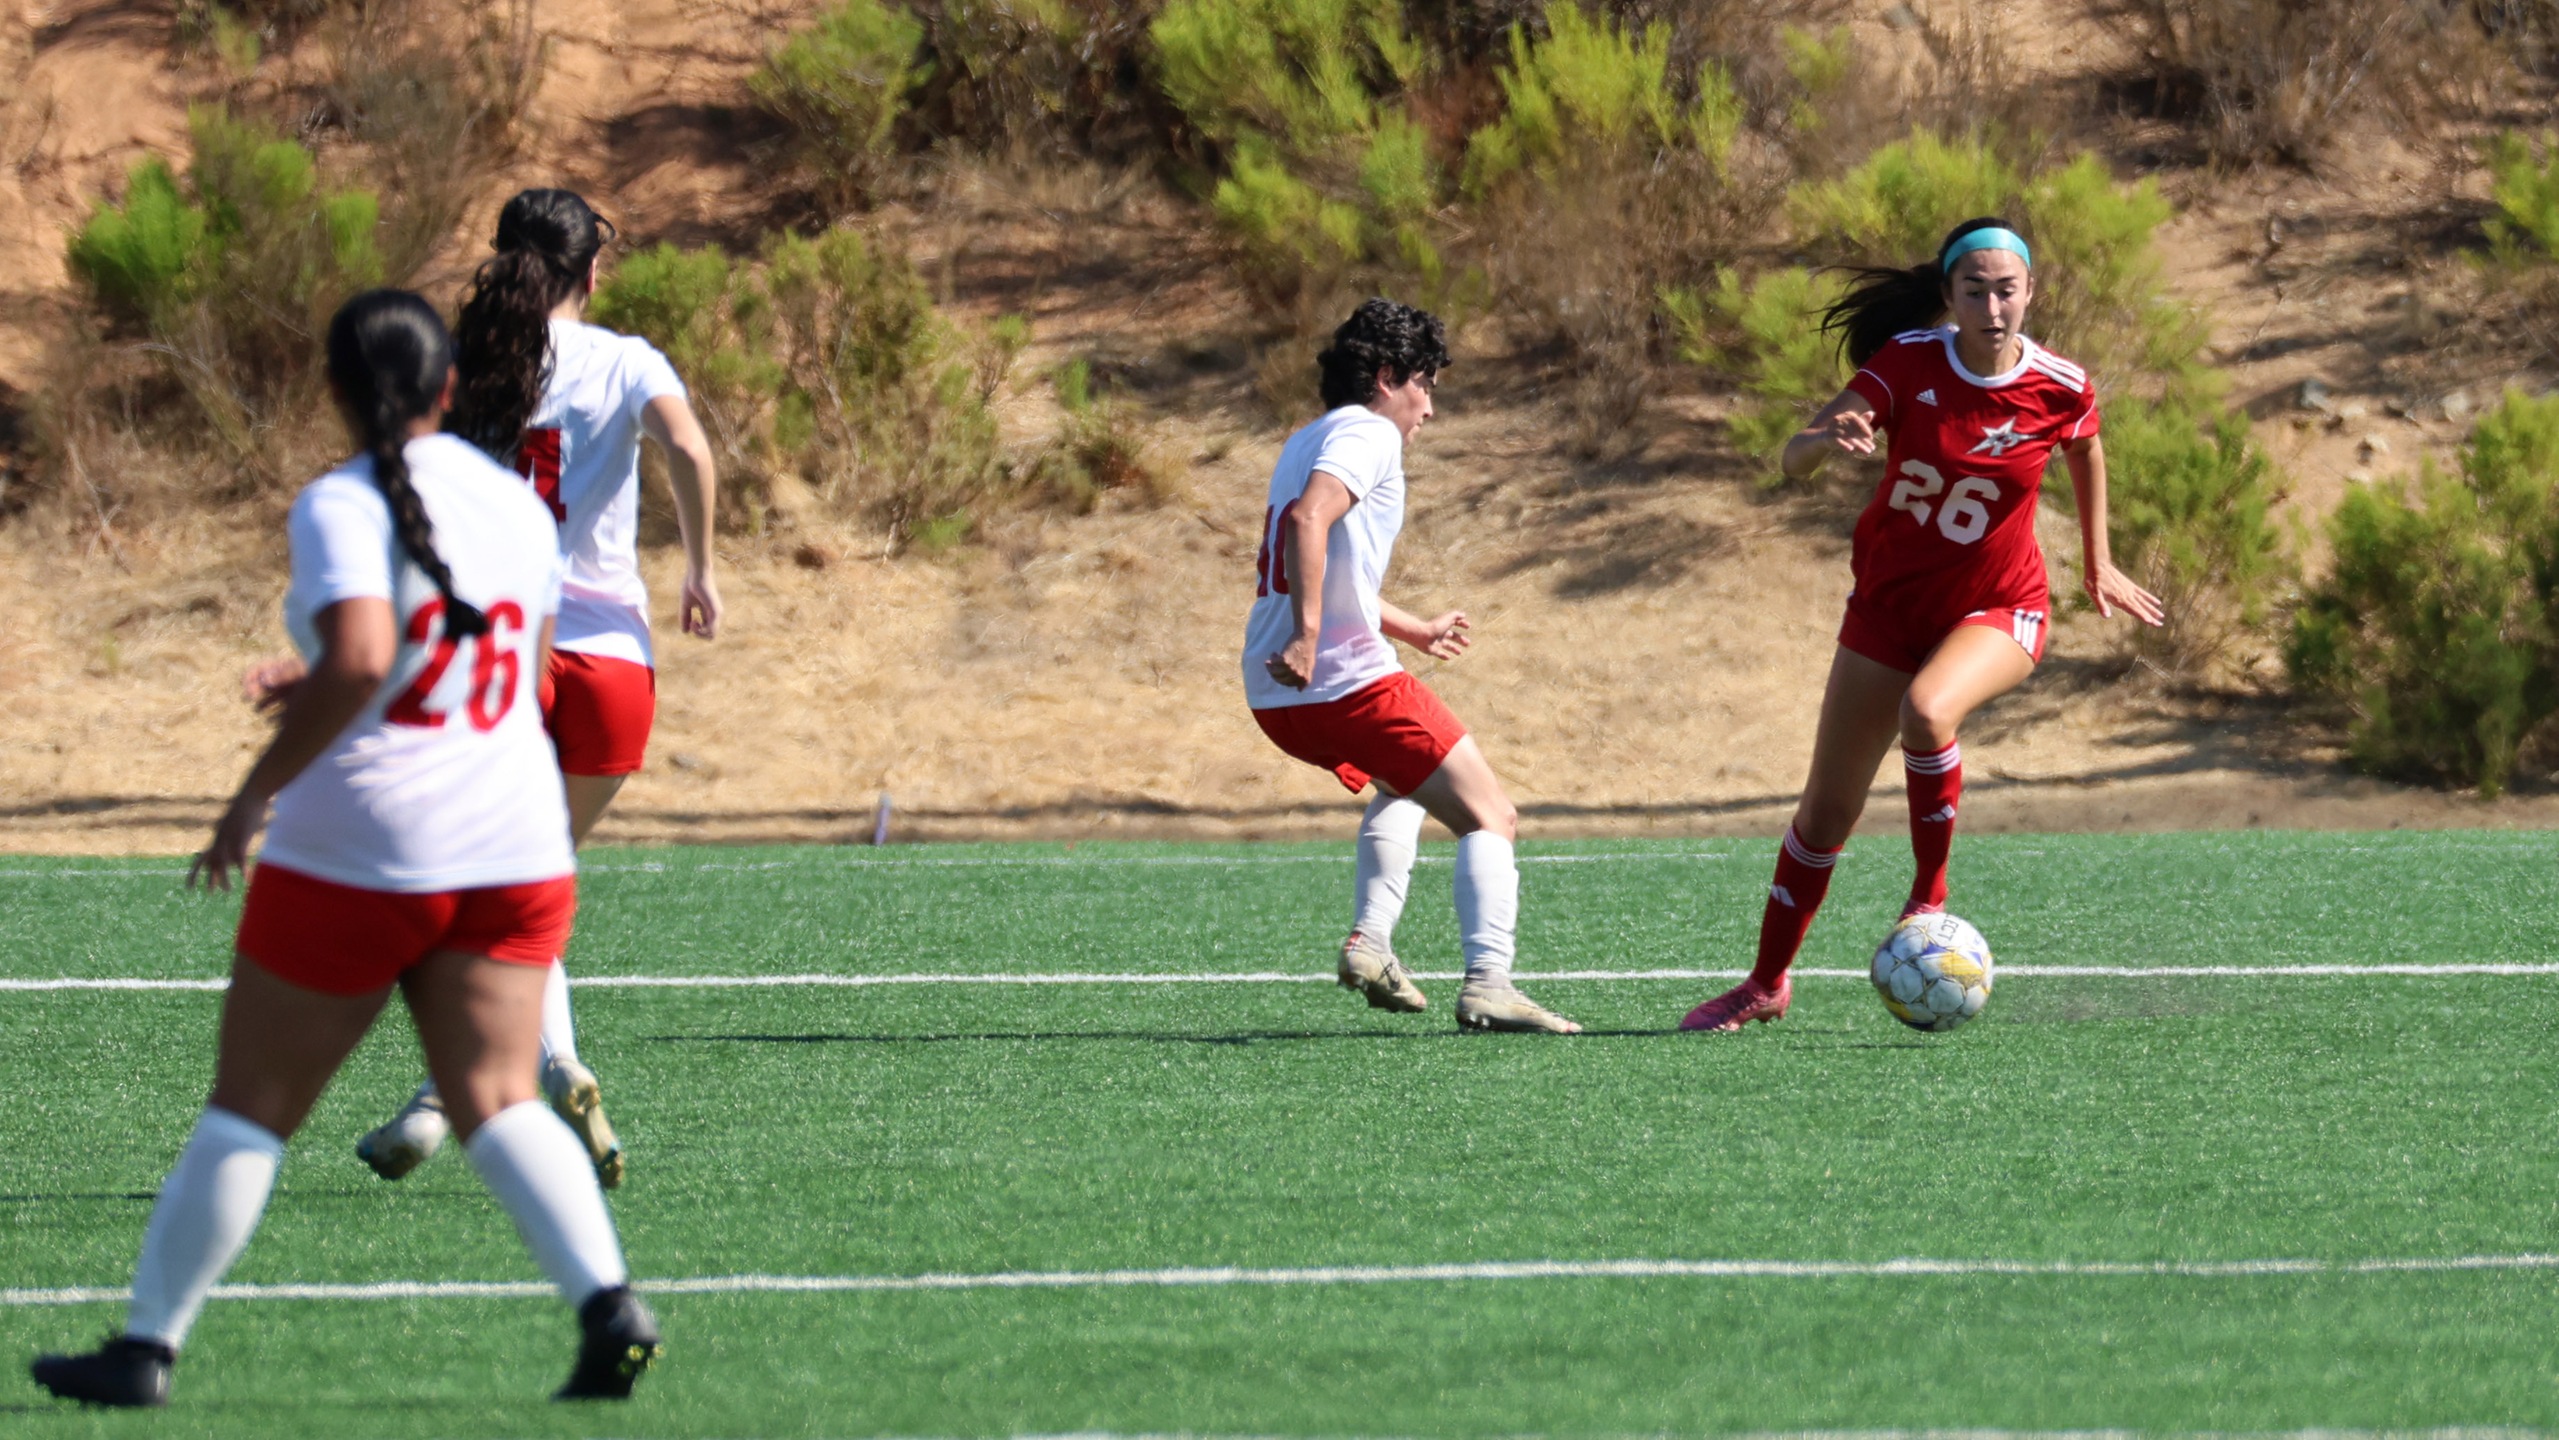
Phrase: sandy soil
(1652, 631)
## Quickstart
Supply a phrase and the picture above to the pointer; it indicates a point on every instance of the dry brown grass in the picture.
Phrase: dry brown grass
(2288, 80)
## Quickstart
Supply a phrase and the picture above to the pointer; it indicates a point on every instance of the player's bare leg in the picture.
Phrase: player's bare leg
(413, 1136)
(1861, 710)
(1390, 837)
(279, 1046)
(1464, 795)
(1970, 667)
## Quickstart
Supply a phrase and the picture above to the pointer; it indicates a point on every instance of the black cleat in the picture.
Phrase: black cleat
(621, 1339)
(126, 1373)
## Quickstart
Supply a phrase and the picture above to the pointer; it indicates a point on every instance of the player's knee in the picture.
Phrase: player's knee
(1928, 721)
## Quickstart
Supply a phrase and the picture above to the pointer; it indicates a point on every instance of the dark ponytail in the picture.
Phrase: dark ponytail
(546, 242)
(389, 355)
(1884, 302)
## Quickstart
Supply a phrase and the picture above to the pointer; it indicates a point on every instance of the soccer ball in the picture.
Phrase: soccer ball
(1933, 972)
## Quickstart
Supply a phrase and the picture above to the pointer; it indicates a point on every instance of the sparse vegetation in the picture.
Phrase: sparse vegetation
(2191, 499)
(2282, 80)
(832, 384)
(226, 276)
(841, 86)
(2432, 634)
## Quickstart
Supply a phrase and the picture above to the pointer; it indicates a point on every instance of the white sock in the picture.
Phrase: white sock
(1487, 905)
(1390, 835)
(529, 1159)
(559, 1039)
(209, 1207)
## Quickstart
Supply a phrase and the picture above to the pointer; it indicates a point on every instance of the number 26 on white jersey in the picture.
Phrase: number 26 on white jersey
(1961, 517)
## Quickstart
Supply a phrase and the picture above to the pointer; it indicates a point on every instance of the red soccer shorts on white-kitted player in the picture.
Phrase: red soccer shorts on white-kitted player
(598, 710)
(1395, 730)
(344, 940)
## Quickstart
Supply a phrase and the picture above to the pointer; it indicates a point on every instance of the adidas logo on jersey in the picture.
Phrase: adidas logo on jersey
(1927, 397)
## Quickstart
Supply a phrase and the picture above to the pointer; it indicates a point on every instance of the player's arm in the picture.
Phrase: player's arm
(2106, 585)
(670, 421)
(358, 642)
(1846, 424)
(1305, 530)
(1442, 638)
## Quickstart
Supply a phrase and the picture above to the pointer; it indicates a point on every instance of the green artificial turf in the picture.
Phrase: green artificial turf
(969, 1129)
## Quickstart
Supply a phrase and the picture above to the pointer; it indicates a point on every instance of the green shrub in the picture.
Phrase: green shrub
(2190, 499)
(1327, 183)
(231, 272)
(1589, 86)
(841, 85)
(1767, 337)
(1100, 446)
(2434, 629)
(1895, 207)
(828, 378)
(2524, 183)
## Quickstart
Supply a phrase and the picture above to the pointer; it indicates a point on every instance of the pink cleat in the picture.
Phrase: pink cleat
(1742, 1004)
(1917, 908)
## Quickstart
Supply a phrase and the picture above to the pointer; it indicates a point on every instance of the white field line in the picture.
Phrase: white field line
(1294, 977)
(1188, 1277)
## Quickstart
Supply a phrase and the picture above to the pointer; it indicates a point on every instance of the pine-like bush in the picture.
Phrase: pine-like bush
(841, 86)
(2433, 632)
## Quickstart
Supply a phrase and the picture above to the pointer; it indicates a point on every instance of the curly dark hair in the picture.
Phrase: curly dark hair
(546, 242)
(1381, 335)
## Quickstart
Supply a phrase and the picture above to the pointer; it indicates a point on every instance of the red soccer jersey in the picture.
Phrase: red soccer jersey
(1951, 529)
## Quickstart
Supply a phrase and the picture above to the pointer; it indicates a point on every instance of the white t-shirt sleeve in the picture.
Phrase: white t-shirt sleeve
(651, 376)
(341, 539)
(1360, 455)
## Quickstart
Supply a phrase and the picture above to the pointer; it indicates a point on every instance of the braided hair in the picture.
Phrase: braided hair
(389, 355)
(1402, 340)
(1885, 302)
(546, 245)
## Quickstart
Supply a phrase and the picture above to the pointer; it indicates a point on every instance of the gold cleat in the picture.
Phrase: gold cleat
(574, 1095)
(1483, 1006)
(1373, 971)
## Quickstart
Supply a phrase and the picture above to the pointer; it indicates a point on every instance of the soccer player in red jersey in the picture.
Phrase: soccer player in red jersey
(1950, 603)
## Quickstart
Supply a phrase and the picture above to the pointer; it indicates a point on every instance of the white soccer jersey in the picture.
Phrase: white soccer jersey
(581, 451)
(446, 781)
(1363, 450)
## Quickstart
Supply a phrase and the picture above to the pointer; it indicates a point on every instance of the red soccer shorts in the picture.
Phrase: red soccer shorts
(1395, 730)
(1904, 642)
(342, 940)
(598, 711)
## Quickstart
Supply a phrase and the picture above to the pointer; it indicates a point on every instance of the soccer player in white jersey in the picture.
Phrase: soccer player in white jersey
(1325, 685)
(566, 403)
(420, 841)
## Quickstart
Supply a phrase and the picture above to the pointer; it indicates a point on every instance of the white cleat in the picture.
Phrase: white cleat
(406, 1140)
(1482, 1005)
(1371, 969)
(572, 1091)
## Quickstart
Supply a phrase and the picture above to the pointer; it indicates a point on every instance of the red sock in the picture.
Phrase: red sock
(1936, 786)
(1803, 878)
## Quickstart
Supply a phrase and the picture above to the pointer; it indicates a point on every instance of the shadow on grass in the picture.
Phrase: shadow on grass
(1160, 1037)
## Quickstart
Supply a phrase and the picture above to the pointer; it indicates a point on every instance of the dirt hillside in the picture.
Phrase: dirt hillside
(1652, 631)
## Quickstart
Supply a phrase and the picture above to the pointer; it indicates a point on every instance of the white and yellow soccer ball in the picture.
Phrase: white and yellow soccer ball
(1933, 972)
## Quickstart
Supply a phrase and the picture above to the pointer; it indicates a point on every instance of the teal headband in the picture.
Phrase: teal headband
(1992, 238)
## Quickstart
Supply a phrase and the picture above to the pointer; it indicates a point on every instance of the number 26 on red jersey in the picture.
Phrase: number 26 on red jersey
(497, 663)
(1962, 515)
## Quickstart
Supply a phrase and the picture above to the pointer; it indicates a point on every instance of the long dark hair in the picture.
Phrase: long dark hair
(546, 242)
(1883, 302)
(388, 356)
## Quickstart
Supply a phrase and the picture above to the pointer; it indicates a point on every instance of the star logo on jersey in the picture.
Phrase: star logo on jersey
(1999, 440)
(1927, 397)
